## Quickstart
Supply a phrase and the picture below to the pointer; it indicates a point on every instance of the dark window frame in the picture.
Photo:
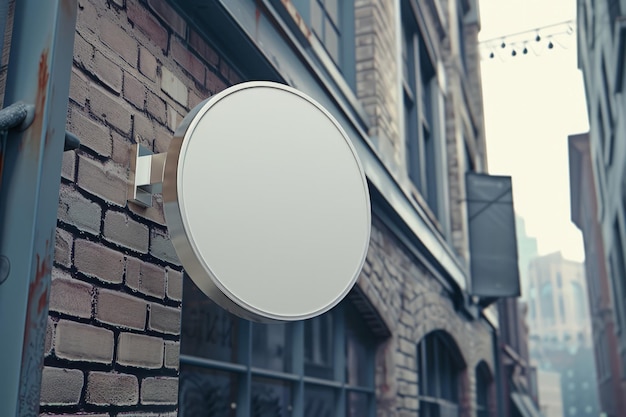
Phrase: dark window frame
(289, 388)
(440, 367)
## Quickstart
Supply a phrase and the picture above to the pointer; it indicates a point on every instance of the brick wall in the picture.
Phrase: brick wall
(377, 77)
(413, 303)
(113, 330)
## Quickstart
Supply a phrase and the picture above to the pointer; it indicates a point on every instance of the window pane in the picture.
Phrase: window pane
(331, 41)
(316, 19)
(270, 398)
(359, 348)
(271, 347)
(333, 11)
(318, 343)
(207, 330)
(206, 393)
(318, 401)
(356, 405)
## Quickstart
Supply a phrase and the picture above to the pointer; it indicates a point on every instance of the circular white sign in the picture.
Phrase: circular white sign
(266, 203)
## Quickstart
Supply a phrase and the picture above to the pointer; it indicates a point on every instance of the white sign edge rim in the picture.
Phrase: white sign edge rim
(173, 204)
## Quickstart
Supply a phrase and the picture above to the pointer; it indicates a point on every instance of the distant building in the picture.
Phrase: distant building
(559, 324)
(550, 397)
(584, 208)
(558, 312)
(526, 250)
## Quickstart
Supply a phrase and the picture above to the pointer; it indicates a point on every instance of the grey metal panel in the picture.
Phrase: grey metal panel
(297, 69)
(38, 74)
(493, 243)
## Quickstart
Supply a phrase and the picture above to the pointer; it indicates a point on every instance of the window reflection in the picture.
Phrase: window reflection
(318, 401)
(270, 398)
(271, 346)
(208, 331)
(318, 339)
(206, 393)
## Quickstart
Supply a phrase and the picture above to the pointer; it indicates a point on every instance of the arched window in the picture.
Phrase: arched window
(483, 385)
(439, 368)
(231, 367)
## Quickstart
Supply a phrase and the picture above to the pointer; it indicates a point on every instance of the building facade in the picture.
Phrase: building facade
(560, 330)
(585, 215)
(128, 333)
(601, 59)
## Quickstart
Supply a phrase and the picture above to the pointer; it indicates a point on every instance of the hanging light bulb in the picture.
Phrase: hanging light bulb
(525, 51)
(537, 38)
(550, 45)
(492, 55)
(513, 53)
(503, 45)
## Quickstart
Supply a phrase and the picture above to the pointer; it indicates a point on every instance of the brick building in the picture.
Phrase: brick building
(402, 78)
(584, 208)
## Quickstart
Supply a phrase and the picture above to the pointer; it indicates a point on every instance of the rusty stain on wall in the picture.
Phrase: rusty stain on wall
(32, 138)
(35, 326)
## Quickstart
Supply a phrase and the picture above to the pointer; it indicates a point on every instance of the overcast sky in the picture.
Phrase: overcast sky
(532, 103)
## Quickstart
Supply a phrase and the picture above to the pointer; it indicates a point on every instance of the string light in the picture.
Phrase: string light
(549, 34)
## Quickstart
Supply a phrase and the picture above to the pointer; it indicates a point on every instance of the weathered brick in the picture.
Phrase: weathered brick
(140, 351)
(116, 38)
(169, 15)
(49, 337)
(134, 91)
(63, 248)
(202, 48)
(174, 284)
(79, 88)
(187, 60)
(120, 309)
(121, 150)
(113, 110)
(172, 354)
(70, 296)
(174, 87)
(121, 229)
(161, 247)
(147, 63)
(68, 167)
(95, 260)
(173, 118)
(83, 51)
(92, 135)
(60, 386)
(107, 181)
(154, 212)
(214, 83)
(159, 390)
(164, 319)
(144, 277)
(143, 129)
(108, 72)
(83, 342)
(87, 18)
(105, 388)
(146, 23)
(77, 210)
(155, 105)
(162, 139)
(194, 99)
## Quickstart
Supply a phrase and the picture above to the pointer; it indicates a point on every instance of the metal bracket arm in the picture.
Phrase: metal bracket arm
(146, 175)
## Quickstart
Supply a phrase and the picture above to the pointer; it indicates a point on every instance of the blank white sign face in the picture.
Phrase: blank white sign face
(266, 203)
